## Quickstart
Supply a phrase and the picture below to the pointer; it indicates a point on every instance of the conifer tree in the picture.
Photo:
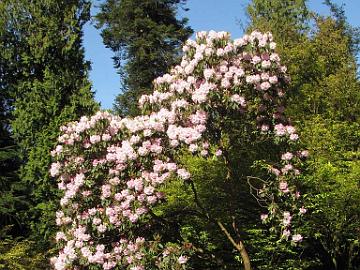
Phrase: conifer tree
(11, 200)
(11, 191)
(49, 85)
(145, 36)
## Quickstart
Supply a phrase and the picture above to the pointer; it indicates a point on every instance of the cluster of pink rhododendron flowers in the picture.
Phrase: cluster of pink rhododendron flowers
(110, 168)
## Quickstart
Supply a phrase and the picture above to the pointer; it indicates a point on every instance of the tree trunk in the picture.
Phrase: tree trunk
(239, 246)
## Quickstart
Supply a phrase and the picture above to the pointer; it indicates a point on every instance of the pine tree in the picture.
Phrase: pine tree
(145, 36)
(49, 87)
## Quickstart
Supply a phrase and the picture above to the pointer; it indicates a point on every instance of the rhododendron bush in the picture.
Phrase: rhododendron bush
(111, 169)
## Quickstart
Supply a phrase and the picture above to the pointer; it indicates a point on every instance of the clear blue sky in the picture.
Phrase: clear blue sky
(219, 15)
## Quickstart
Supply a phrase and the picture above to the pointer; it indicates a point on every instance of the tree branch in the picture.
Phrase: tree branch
(239, 246)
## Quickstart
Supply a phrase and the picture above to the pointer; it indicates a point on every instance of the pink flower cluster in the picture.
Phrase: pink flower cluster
(110, 168)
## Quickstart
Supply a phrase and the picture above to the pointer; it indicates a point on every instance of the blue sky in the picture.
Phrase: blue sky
(224, 15)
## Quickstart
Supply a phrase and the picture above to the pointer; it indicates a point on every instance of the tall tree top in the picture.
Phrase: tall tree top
(284, 18)
(145, 36)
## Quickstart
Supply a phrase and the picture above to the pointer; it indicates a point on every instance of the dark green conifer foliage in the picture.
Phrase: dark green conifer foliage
(49, 87)
(11, 191)
(145, 36)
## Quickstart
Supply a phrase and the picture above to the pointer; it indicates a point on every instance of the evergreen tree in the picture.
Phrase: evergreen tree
(11, 199)
(47, 76)
(145, 36)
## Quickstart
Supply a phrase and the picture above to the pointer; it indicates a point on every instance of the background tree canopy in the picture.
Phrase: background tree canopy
(44, 83)
(145, 36)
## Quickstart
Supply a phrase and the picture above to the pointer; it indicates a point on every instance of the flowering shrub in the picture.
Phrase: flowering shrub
(110, 168)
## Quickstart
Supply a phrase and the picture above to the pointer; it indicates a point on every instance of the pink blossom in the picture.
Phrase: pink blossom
(280, 129)
(137, 267)
(275, 171)
(264, 128)
(182, 259)
(96, 221)
(287, 156)
(60, 236)
(184, 174)
(273, 79)
(193, 147)
(220, 52)
(106, 137)
(290, 129)
(297, 238)
(294, 137)
(283, 186)
(95, 139)
(171, 167)
(55, 169)
(238, 99)
(264, 217)
(239, 42)
(106, 191)
(266, 64)
(287, 219)
(134, 218)
(265, 86)
(255, 60)
(152, 199)
(208, 73)
(92, 211)
(262, 42)
(149, 190)
(304, 153)
(265, 76)
(286, 233)
(225, 83)
(114, 181)
(141, 211)
(101, 228)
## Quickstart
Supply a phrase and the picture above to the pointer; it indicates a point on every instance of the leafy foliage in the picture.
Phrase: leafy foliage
(334, 179)
(320, 53)
(20, 255)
